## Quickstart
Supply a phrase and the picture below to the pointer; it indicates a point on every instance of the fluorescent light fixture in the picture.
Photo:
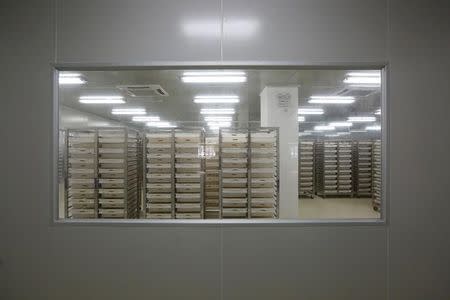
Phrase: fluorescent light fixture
(160, 124)
(216, 99)
(331, 135)
(361, 119)
(146, 119)
(128, 111)
(217, 111)
(214, 77)
(343, 133)
(378, 111)
(214, 73)
(301, 118)
(215, 118)
(310, 111)
(71, 78)
(219, 124)
(101, 99)
(364, 74)
(358, 131)
(363, 80)
(304, 133)
(341, 124)
(374, 128)
(331, 99)
(324, 128)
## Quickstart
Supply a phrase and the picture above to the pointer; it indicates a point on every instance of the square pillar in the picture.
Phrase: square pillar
(279, 108)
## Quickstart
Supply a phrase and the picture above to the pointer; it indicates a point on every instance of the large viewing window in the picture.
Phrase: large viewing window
(248, 143)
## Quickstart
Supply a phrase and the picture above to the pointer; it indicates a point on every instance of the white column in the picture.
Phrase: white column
(279, 108)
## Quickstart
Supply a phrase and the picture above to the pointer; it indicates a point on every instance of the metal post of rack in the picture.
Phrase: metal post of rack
(277, 181)
(249, 175)
(220, 175)
(96, 173)
(172, 152)
(66, 175)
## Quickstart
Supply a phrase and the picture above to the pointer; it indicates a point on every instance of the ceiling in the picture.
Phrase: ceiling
(180, 109)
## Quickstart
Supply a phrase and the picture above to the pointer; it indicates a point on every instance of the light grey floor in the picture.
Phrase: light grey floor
(336, 208)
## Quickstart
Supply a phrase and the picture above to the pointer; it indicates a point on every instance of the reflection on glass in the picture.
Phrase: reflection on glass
(200, 147)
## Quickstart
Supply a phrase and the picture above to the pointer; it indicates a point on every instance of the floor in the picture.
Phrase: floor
(336, 208)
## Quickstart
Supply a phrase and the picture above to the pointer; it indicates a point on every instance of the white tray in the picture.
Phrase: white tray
(158, 216)
(234, 212)
(263, 202)
(234, 202)
(188, 215)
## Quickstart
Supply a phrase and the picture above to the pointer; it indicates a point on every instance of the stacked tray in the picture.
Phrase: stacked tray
(81, 192)
(188, 177)
(376, 175)
(362, 168)
(345, 169)
(264, 174)
(306, 169)
(159, 181)
(234, 174)
(212, 210)
(117, 173)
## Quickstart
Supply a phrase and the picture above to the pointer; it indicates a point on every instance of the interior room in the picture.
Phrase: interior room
(335, 144)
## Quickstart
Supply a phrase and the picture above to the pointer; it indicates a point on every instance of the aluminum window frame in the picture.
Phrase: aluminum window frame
(265, 65)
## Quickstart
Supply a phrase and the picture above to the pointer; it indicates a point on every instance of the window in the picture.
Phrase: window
(220, 143)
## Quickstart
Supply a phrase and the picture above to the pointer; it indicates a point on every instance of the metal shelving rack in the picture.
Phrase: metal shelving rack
(376, 175)
(234, 170)
(81, 199)
(362, 168)
(118, 173)
(345, 169)
(159, 172)
(189, 165)
(263, 175)
(102, 175)
(211, 150)
(306, 187)
(334, 168)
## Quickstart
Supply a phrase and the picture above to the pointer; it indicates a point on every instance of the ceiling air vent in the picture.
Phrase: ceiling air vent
(144, 90)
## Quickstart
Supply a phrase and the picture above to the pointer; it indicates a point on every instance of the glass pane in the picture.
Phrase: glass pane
(232, 143)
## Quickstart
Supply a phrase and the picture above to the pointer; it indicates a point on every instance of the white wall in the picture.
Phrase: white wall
(410, 255)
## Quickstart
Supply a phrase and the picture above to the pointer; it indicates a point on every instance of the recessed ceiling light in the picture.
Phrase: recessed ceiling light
(301, 118)
(364, 74)
(145, 119)
(374, 128)
(310, 111)
(102, 99)
(217, 111)
(214, 77)
(214, 73)
(363, 78)
(160, 124)
(378, 111)
(362, 119)
(324, 128)
(71, 78)
(331, 99)
(219, 124)
(216, 99)
(341, 124)
(128, 111)
(218, 118)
